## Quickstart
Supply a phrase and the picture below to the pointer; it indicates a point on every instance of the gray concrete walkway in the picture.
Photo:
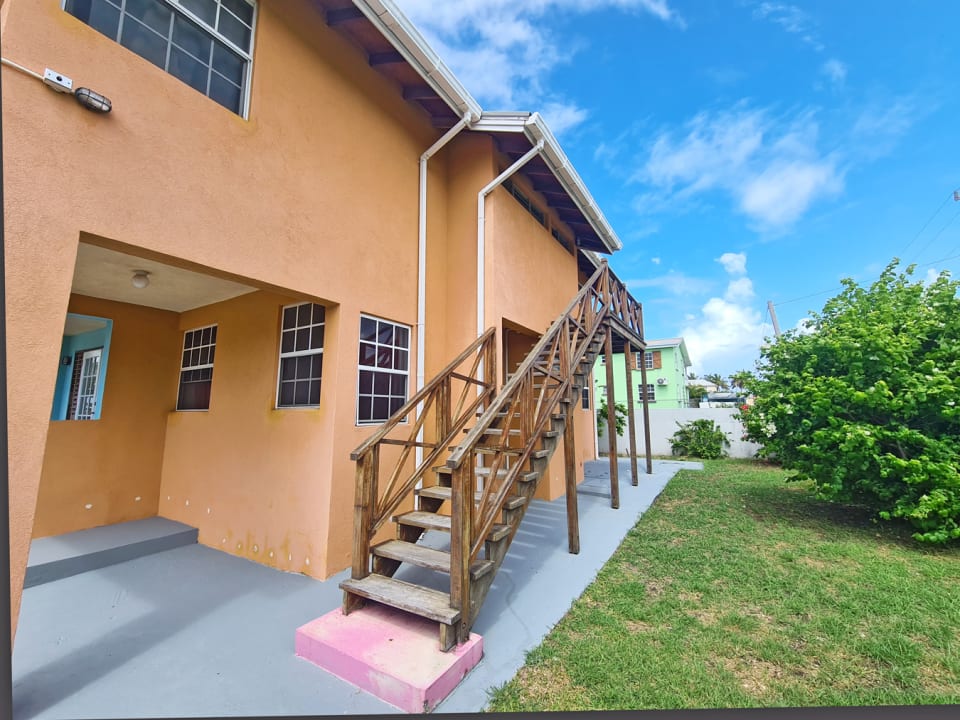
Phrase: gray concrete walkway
(194, 632)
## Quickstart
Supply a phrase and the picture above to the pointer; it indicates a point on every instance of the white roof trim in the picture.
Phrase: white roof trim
(408, 41)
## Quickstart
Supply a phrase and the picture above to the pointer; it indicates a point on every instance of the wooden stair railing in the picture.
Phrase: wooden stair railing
(491, 474)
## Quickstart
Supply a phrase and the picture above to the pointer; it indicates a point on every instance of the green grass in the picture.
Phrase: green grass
(737, 589)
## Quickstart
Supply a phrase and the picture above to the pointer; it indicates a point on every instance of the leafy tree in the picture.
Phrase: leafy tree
(700, 438)
(691, 376)
(717, 379)
(867, 405)
(619, 413)
(696, 392)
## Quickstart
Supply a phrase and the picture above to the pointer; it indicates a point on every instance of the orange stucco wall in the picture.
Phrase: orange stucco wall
(105, 471)
(171, 172)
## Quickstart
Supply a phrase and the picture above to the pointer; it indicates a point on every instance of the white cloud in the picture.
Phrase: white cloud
(770, 167)
(726, 335)
(676, 283)
(562, 116)
(734, 263)
(835, 70)
(655, 261)
(804, 326)
(792, 19)
(931, 276)
(501, 50)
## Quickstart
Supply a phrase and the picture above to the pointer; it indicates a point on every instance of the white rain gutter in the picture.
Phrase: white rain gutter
(467, 119)
(481, 210)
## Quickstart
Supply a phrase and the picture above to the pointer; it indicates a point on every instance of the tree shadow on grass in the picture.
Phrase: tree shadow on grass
(797, 504)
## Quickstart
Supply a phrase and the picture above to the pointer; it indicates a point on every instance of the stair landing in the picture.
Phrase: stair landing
(389, 653)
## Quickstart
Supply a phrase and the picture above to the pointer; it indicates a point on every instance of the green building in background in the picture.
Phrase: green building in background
(666, 361)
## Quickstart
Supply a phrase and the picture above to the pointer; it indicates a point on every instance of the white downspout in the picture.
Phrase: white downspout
(467, 119)
(481, 245)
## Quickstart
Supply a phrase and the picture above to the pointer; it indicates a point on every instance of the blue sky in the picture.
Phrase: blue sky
(743, 150)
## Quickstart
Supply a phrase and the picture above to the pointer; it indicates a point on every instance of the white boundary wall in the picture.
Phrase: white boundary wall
(663, 424)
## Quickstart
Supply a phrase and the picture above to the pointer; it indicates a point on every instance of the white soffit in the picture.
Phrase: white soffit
(106, 274)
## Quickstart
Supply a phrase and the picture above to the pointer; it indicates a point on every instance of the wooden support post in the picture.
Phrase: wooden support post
(646, 419)
(461, 512)
(631, 417)
(611, 423)
(363, 508)
(570, 461)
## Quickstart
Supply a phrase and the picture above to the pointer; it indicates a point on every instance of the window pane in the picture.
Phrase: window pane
(365, 409)
(314, 392)
(286, 344)
(189, 37)
(195, 357)
(367, 353)
(205, 336)
(303, 339)
(400, 359)
(402, 337)
(227, 63)
(226, 93)
(381, 384)
(366, 382)
(289, 318)
(301, 394)
(286, 394)
(398, 385)
(186, 358)
(235, 31)
(319, 313)
(288, 368)
(144, 42)
(385, 358)
(152, 13)
(303, 314)
(241, 9)
(213, 334)
(194, 396)
(317, 369)
(206, 10)
(396, 404)
(385, 334)
(316, 337)
(192, 72)
(368, 329)
(381, 408)
(98, 14)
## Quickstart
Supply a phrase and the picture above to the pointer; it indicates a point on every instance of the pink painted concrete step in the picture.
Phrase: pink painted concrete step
(388, 653)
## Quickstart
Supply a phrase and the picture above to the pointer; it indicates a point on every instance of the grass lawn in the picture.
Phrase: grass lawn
(738, 590)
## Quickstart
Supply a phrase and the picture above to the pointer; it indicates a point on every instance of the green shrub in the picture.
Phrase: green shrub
(700, 439)
(866, 402)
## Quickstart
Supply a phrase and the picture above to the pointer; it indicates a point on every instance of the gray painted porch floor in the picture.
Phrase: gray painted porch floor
(196, 632)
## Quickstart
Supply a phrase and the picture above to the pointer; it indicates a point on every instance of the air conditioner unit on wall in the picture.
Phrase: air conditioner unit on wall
(661, 381)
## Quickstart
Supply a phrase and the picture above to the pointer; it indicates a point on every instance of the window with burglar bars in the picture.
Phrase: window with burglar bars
(384, 365)
(301, 355)
(651, 392)
(207, 44)
(196, 368)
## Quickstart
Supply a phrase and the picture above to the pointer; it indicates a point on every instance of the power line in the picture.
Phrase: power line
(951, 195)
(930, 241)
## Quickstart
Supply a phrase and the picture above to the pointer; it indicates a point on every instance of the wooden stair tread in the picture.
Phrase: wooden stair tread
(426, 557)
(406, 596)
(432, 521)
(439, 492)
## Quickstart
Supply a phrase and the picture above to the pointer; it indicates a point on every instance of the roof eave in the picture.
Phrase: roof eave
(408, 41)
(535, 128)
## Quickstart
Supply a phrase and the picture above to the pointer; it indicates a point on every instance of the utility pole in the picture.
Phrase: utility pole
(773, 318)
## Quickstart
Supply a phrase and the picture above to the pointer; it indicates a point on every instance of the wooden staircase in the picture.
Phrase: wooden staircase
(488, 451)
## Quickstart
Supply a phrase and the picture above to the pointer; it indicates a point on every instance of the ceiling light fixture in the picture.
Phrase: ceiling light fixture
(140, 279)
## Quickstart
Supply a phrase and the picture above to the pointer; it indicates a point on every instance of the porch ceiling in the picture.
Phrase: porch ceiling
(107, 274)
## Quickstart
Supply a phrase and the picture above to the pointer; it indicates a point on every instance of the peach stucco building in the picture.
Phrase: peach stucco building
(265, 166)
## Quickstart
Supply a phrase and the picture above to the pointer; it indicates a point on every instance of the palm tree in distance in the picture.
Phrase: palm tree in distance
(717, 379)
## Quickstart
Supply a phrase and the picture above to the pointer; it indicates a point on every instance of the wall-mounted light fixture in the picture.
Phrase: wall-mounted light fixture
(140, 279)
(92, 100)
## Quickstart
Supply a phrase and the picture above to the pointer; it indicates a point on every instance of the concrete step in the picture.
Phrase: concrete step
(59, 556)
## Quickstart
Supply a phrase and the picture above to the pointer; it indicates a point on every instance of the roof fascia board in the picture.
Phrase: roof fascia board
(408, 41)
